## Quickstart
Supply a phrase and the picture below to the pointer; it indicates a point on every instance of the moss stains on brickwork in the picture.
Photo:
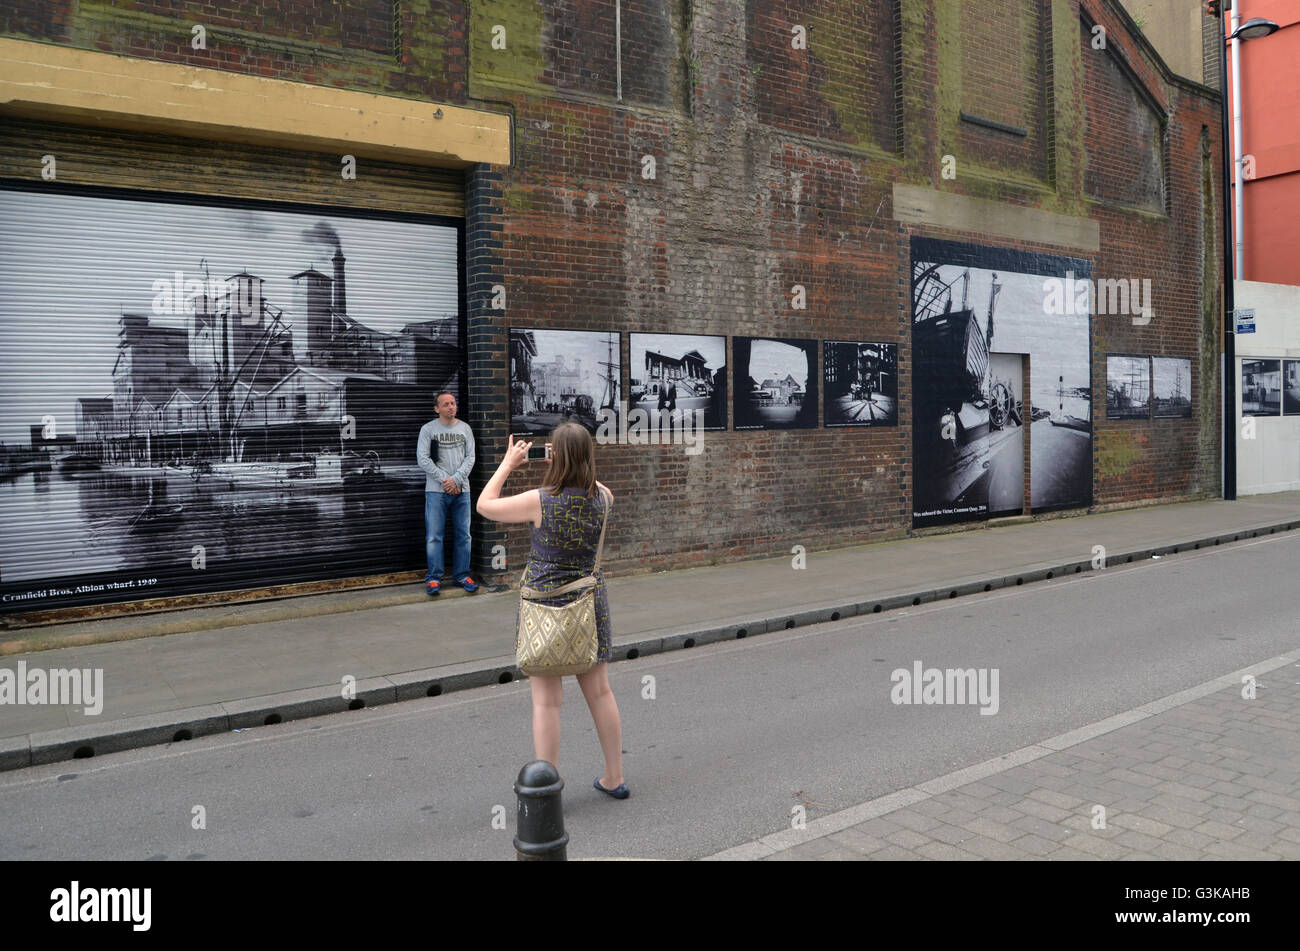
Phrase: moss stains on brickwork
(521, 64)
(843, 87)
(1117, 450)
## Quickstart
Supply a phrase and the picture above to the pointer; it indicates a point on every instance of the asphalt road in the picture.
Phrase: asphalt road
(736, 734)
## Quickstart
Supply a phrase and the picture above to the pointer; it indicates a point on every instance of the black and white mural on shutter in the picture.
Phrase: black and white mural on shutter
(201, 396)
(968, 302)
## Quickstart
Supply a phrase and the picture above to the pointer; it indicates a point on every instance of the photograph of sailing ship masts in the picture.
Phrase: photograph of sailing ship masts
(559, 376)
(1171, 387)
(1128, 387)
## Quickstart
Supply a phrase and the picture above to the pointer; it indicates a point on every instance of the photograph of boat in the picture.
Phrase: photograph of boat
(978, 320)
(234, 379)
(559, 376)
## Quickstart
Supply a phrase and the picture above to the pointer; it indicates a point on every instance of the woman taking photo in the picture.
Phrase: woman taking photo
(567, 514)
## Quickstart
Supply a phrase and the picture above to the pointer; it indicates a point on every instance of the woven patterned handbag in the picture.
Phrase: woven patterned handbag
(557, 640)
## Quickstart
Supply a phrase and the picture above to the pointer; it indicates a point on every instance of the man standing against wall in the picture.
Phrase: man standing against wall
(445, 452)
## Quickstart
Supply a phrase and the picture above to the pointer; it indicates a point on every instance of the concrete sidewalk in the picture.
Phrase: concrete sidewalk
(247, 665)
(1206, 773)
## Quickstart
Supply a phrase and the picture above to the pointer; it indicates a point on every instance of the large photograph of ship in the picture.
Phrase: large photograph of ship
(1261, 387)
(861, 383)
(969, 302)
(775, 383)
(204, 396)
(679, 372)
(1128, 387)
(1171, 387)
(560, 376)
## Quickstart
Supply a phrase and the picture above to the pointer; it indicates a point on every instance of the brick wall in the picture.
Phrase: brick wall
(773, 167)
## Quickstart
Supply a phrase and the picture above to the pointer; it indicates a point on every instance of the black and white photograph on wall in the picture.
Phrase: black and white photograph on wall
(560, 376)
(860, 383)
(1261, 387)
(679, 373)
(1171, 387)
(970, 304)
(230, 392)
(1291, 387)
(775, 383)
(1128, 387)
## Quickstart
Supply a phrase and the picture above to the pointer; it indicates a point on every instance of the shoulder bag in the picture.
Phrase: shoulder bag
(553, 641)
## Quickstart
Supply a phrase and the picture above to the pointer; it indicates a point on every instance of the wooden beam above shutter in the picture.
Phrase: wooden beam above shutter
(66, 84)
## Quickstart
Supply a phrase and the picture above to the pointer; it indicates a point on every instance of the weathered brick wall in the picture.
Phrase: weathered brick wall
(414, 48)
(773, 167)
(1163, 240)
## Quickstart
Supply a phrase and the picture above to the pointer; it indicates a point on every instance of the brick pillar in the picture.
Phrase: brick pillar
(487, 386)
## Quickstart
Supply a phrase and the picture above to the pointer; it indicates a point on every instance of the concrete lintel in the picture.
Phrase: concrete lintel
(918, 205)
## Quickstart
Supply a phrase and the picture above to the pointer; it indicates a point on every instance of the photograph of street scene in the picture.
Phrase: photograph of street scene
(679, 372)
(1291, 387)
(979, 315)
(1261, 387)
(235, 392)
(861, 383)
(776, 383)
(1128, 387)
(559, 376)
(1171, 387)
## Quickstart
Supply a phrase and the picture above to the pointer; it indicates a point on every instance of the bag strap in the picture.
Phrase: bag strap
(587, 581)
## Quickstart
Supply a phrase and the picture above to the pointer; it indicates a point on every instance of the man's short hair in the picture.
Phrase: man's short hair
(441, 393)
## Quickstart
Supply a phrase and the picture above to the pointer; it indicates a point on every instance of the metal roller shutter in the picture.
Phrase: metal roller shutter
(214, 369)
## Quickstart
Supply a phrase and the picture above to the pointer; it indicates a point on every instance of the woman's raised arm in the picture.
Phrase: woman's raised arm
(524, 507)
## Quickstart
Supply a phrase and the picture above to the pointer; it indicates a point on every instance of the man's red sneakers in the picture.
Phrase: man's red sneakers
(433, 589)
(470, 585)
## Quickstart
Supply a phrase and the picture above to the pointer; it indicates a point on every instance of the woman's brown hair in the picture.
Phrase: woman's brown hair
(573, 460)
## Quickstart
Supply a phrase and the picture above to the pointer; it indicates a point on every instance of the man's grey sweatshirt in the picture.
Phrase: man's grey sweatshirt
(445, 451)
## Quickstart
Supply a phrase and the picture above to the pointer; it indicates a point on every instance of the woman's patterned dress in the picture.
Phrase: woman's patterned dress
(564, 550)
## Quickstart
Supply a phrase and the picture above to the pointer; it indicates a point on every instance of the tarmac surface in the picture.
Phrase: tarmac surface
(225, 668)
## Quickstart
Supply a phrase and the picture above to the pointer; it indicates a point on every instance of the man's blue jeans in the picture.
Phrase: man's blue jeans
(437, 505)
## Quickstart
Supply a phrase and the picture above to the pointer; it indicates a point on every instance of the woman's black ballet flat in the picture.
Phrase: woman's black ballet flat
(622, 792)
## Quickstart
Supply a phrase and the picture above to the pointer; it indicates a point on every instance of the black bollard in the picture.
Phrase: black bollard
(541, 836)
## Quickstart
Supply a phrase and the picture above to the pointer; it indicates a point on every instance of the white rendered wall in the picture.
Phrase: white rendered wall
(1271, 461)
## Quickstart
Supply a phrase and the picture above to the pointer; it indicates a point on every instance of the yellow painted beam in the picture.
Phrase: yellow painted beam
(62, 83)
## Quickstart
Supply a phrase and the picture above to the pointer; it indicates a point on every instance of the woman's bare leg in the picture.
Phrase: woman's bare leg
(604, 710)
(548, 697)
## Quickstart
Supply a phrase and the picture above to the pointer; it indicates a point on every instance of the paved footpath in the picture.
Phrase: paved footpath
(225, 667)
(1204, 774)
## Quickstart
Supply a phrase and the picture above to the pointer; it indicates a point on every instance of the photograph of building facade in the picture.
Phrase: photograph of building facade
(679, 371)
(678, 175)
